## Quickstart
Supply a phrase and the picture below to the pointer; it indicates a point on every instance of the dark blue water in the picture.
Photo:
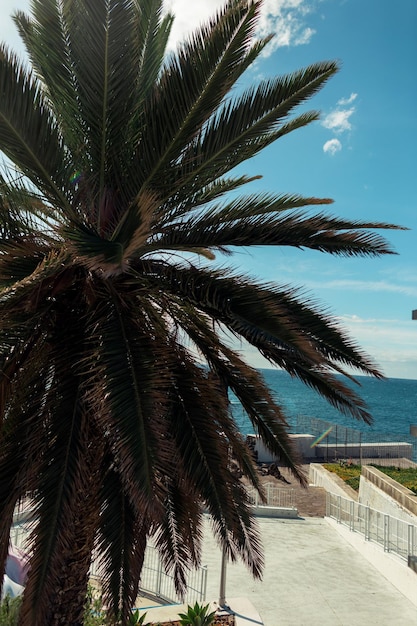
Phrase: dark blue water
(392, 402)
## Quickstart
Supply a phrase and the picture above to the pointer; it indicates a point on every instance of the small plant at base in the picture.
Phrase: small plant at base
(94, 613)
(197, 616)
(9, 611)
(135, 619)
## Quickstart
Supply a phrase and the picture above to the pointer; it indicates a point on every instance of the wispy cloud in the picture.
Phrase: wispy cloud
(339, 120)
(332, 146)
(346, 101)
(375, 286)
(391, 342)
(286, 19)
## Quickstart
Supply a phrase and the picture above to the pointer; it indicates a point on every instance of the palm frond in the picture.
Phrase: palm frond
(28, 133)
(122, 367)
(193, 85)
(287, 331)
(121, 545)
(152, 32)
(179, 534)
(48, 44)
(252, 221)
(247, 124)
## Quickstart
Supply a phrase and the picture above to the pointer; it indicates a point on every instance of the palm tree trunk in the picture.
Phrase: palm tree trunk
(70, 592)
(65, 589)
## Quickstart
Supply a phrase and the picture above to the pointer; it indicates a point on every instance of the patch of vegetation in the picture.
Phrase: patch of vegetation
(197, 615)
(9, 611)
(405, 476)
(351, 474)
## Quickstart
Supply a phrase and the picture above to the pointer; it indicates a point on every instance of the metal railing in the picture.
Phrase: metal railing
(393, 534)
(154, 580)
(343, 438)
(275, 496)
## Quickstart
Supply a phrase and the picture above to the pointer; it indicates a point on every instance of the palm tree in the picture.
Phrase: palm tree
(118, 191)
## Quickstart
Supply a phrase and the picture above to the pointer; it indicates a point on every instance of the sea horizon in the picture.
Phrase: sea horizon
(392, 403)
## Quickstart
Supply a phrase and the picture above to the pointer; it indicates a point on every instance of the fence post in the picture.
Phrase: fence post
(159, 578)
(367, 522)
(411, 539)
(386, 533)
(203, 585)
(339, 509)
(352, 515)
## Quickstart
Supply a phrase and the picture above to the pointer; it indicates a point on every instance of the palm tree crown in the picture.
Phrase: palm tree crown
(115, 363)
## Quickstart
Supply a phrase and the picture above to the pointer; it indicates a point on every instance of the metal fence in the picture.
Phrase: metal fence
(344, 437)
(154, 580)
(393, 534)
(275, 496)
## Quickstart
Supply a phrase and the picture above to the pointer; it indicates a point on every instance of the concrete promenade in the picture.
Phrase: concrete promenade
(312, 577)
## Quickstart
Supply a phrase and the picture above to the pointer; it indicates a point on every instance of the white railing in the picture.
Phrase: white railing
(154, 580)
(275, 497)
(393, 534)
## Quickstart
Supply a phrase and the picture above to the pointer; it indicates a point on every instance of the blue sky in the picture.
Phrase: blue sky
(363, 154)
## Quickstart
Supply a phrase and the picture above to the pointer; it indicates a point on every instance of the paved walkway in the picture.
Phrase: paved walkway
(312, 577)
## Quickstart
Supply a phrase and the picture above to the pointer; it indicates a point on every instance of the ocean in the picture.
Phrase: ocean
(392, 403)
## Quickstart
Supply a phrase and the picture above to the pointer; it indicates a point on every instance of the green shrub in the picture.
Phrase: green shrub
(197, 616)
(405, 476)
(9, 611)
(349, 473)
(94, 614)
(353, 482)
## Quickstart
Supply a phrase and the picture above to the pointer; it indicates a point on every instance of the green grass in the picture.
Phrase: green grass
(406, 477)
(351, 474)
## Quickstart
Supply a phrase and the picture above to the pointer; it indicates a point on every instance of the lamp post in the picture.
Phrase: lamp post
(413, 427)
(222, 591)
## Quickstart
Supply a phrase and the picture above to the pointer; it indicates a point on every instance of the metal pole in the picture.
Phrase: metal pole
(222, 592)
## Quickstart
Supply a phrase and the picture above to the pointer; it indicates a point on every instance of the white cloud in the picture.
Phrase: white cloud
(332, 146)
(380, 286)
(392, 343)
(286, 19)
(338, 121)
(188, 16)
(347, 101)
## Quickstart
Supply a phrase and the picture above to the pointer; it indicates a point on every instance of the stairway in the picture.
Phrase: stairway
(310, 501)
